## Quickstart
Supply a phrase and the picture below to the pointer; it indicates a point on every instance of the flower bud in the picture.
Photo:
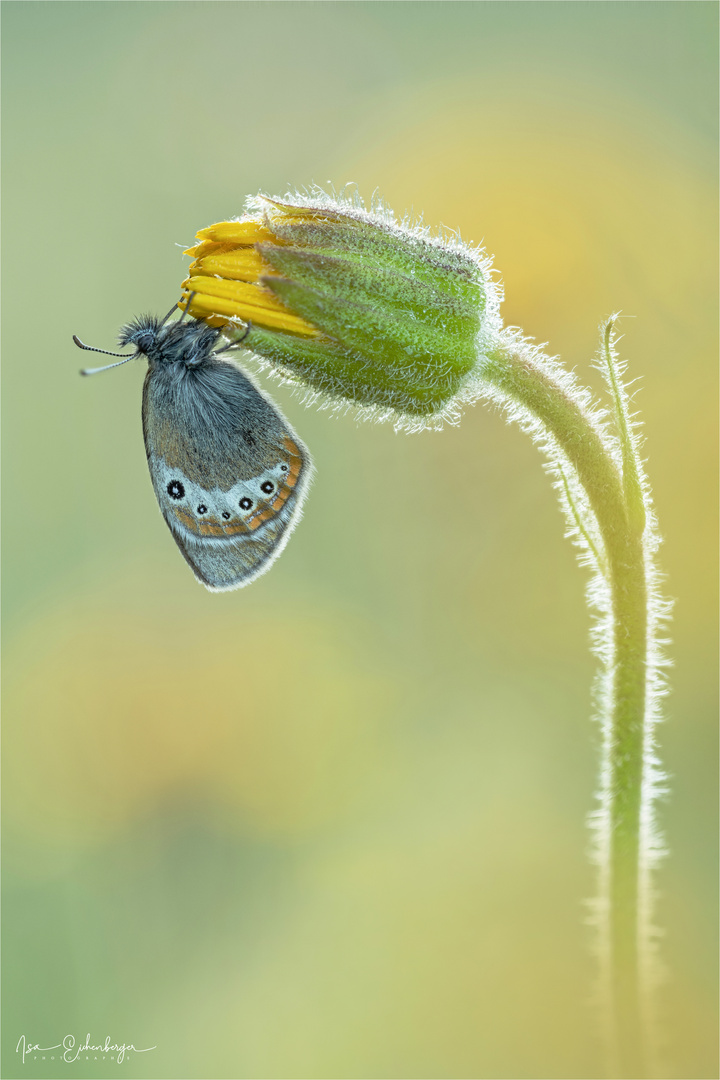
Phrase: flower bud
(350, 304)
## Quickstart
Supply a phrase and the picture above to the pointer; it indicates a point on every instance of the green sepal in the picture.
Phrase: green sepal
(453, 272)
(325, 365)
(364, 281)
(398, 350)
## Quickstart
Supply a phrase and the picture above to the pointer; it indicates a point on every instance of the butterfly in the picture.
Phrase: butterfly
(229, 473)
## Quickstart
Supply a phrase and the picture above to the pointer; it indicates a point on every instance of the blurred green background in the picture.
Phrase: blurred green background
(333, 825)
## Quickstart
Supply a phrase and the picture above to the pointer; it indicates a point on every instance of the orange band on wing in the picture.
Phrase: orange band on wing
(211, 526)
(295, 462)
(267, 510)
(264, 512)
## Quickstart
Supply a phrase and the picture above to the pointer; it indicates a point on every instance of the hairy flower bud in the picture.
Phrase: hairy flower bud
(349, 303)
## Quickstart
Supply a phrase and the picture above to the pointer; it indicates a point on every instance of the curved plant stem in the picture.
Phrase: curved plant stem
(594, 481)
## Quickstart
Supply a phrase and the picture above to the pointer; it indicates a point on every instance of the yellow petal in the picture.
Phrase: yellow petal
(213, 296)
(242, 291)
(209, 246)
(243, 264)
(241, 232)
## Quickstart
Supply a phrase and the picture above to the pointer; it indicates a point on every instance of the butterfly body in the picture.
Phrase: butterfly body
(228, 472)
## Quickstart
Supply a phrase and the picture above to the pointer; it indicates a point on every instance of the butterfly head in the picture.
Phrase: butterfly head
(187, 344)
(143, 333)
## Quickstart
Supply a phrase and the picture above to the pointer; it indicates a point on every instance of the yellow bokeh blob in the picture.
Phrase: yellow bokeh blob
(267, 721)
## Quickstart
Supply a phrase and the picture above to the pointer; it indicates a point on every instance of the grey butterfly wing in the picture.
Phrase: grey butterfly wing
(229, 473)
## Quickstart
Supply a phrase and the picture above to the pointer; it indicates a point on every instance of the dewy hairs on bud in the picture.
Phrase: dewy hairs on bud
(357, 309)
(384, 317)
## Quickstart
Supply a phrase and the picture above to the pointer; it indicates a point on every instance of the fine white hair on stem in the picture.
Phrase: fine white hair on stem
(617, 432)
(654, 784)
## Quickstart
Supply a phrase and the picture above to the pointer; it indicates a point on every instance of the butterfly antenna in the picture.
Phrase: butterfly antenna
(170, 313)
(186, 309)
(90, 348)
